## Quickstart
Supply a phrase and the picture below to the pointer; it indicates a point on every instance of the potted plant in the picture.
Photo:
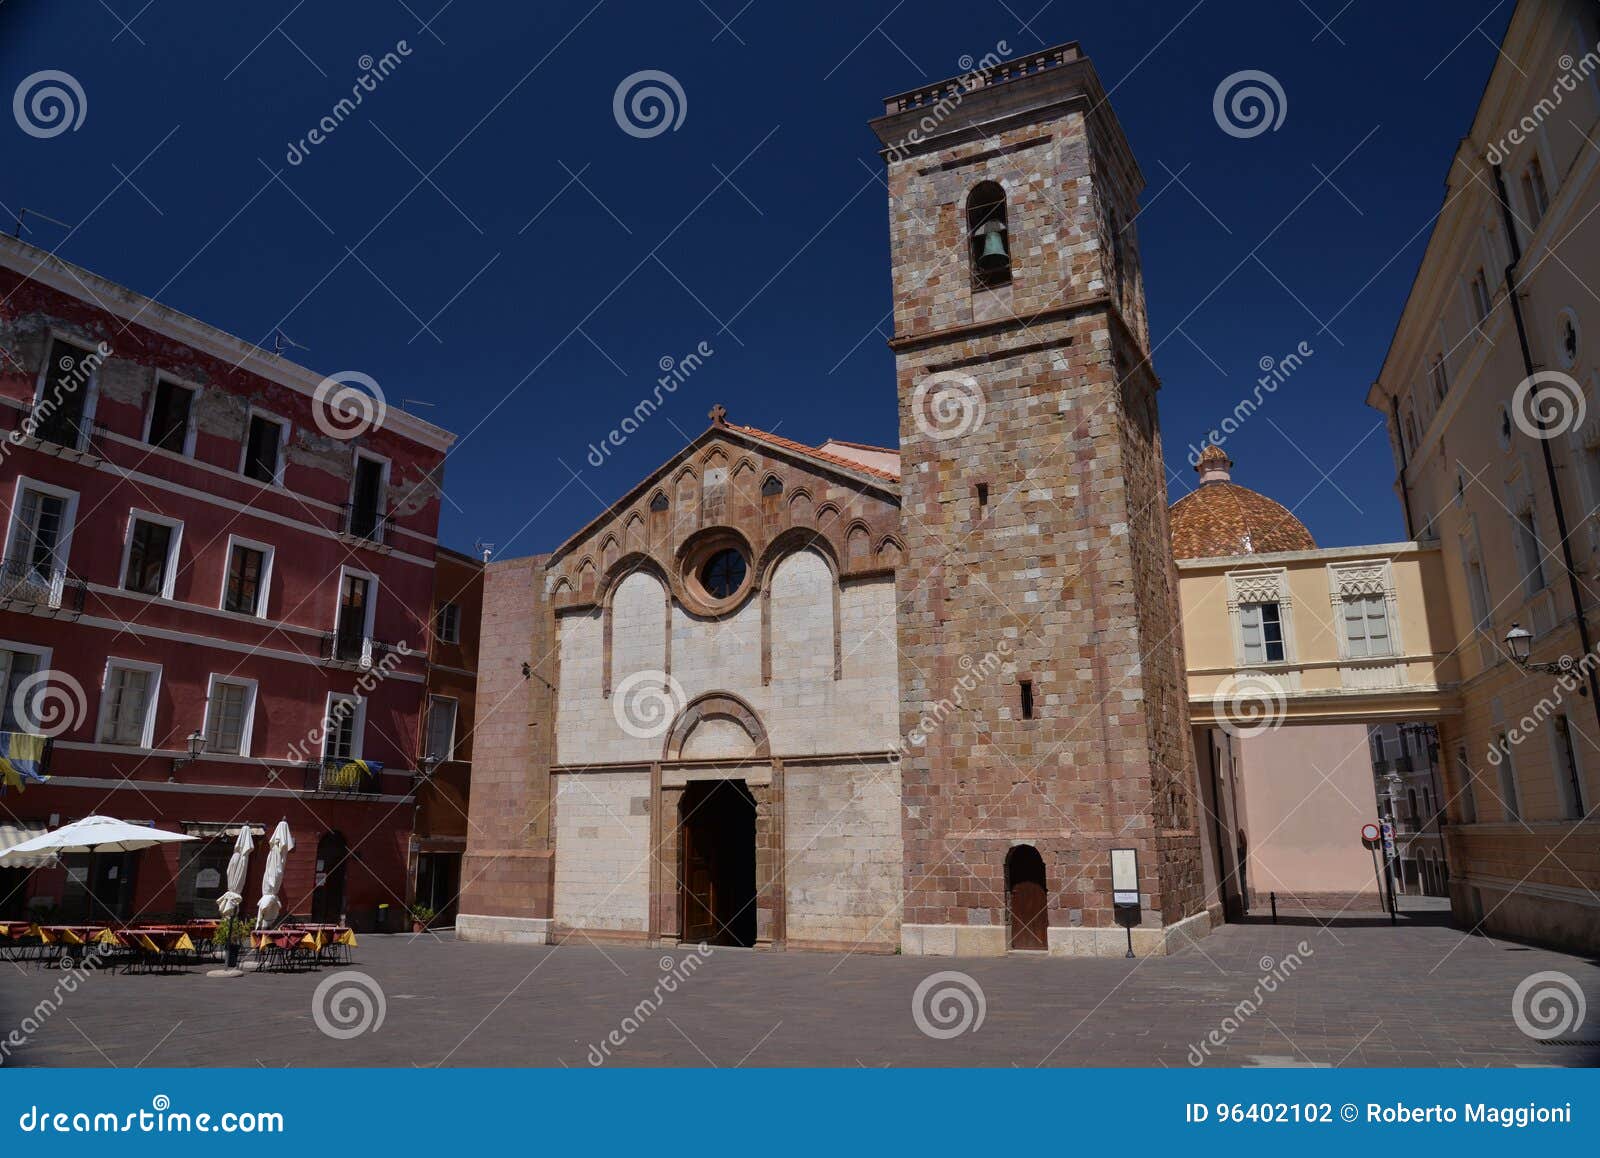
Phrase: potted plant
(231, 933)
(421, 917)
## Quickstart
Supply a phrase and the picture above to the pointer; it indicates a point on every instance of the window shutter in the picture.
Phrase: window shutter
(1250, 633)
(1377, 626)
(1355, 628)
(227, 719)
(127, 690)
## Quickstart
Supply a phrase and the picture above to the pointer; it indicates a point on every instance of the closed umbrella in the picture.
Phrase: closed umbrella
(278, 849)
(238, 864)
(93, 835)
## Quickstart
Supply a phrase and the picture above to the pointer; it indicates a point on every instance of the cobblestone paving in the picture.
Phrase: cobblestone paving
(1362, 994)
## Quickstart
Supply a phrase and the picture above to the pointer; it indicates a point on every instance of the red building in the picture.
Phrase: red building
(215, 598)
(440, 835)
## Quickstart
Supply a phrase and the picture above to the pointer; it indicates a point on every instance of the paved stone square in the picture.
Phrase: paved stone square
(1361, 994)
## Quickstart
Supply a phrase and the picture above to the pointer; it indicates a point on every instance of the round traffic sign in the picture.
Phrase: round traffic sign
(1370, 832)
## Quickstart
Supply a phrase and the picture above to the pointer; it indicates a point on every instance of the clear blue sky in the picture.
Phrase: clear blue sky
(541, 337)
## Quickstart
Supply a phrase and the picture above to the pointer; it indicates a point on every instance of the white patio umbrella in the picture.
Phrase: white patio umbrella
(238, 864)
(93, 835)
(278, 848)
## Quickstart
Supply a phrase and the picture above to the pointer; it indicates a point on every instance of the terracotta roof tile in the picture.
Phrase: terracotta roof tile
(1222, 518)
(814, 452)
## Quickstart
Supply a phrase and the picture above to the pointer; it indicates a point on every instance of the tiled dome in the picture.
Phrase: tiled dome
(1222, 518)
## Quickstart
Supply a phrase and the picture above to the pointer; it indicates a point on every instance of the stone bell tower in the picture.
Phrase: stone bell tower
(1043, 701)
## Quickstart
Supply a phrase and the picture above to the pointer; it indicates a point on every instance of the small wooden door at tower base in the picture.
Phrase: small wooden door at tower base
(1028, 900)
(699, 891)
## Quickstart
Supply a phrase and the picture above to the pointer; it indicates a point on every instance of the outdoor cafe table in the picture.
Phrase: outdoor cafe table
(150, 938)
(14, 939)
(69, 934)
(311, 940)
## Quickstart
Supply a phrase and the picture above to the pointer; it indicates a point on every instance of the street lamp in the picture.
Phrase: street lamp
(197, 745)
(1518, 642)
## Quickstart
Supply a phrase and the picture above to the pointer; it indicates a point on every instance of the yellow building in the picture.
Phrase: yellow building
(1493, 402)
(1292, 652)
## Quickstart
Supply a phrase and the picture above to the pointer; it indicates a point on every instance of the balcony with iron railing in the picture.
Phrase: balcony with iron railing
(54, 432)
(365, 523)
(354, 648)
(41, 588)
(341, 776)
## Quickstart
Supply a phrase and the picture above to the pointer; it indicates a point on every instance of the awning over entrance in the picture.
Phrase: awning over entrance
(217, 829)
(15, 833)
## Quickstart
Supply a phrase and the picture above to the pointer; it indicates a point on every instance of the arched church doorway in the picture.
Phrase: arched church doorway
(1026, 898)
(717, 822)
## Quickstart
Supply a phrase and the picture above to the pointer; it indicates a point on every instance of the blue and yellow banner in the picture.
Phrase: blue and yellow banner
(23, 759)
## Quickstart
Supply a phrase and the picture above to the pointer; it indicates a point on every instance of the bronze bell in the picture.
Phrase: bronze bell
(993, 256)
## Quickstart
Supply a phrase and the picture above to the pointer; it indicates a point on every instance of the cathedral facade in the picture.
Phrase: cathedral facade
(860, 698)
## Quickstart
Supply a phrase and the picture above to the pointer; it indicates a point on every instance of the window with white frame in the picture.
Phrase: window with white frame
(128, 702)
(1530, 555)
(266, 436)
(1366, 626)
(248, 578)
(40, 536)
(442, 727)
(19, 665)
(1362, 593)
(1508, 779)
(342, 727)
(352, 628)
(1482, 303)
(230, 714)
(1439, 378)
(1467, 802)
(171, 425)
(1478, 594)
(369, 475)
(1535, 195)
(1261, 632)
(447, 623)
(150, 555)
(63, 405)
(1569, 776)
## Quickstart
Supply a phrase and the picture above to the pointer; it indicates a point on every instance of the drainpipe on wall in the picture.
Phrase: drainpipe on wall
(1515, 299)
(1405, 463)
